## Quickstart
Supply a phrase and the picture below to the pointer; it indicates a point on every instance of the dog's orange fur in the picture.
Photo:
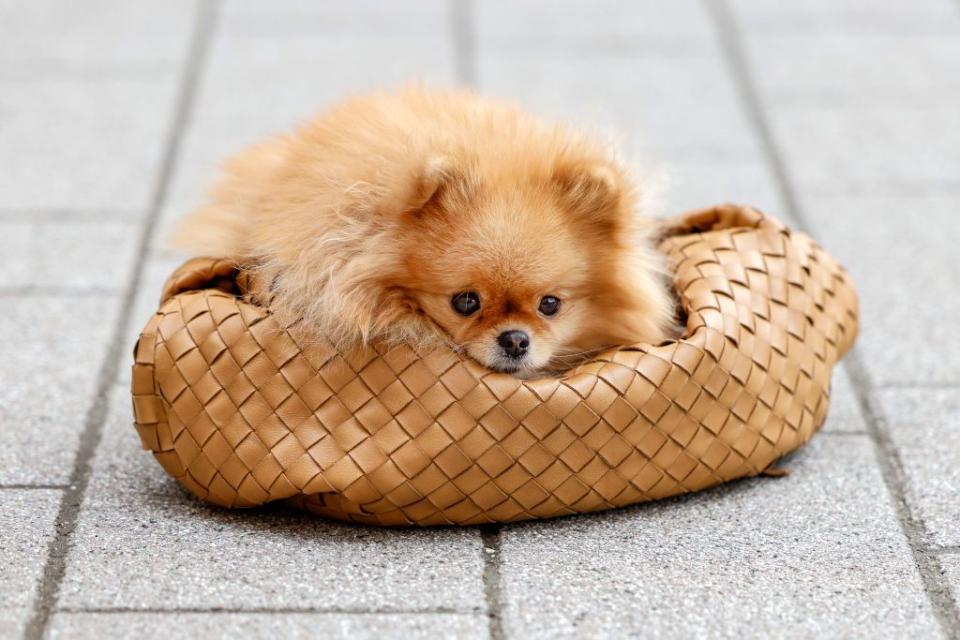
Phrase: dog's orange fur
(368, 219)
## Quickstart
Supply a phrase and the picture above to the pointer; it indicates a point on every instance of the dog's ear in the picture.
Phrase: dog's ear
(592, 190)
(435, 179)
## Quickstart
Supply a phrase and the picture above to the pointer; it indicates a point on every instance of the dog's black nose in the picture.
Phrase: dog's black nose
(514, 343)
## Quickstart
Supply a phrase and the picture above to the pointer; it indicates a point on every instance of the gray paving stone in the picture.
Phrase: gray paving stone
(285, 18)
(97, 215)
(697, 184)
(906, 278)
(26, 520)
(816, 554)
(173, 626)
(69, 255)
(164, 549)
(848, 17)
(845, 415)
(681, 107)
(52, 352)
(97, 37)
(925, 427)
(870, 149)
(289, 79)
(82, 144)
(537, 23)
(839, 68)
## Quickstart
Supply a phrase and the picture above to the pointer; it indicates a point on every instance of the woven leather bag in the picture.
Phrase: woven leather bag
(241, 414)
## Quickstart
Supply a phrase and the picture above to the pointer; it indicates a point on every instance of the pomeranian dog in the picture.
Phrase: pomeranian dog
(439, 217)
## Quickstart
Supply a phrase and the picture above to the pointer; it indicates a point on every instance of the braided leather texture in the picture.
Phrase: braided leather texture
(241, 414)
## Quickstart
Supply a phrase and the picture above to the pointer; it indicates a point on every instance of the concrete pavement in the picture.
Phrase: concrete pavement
(842, 117)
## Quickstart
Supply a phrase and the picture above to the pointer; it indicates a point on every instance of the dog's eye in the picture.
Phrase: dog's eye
(465, 303)
(549, 305)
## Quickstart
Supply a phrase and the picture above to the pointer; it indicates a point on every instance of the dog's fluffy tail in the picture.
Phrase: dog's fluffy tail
(222, 228)
(210, 231)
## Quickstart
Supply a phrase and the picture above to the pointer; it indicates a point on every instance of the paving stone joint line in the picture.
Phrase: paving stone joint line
(359, 611)
(73, 216)
(34, 487)
(41, 291)
(894, 476)
(947, 385)
(492, 580)
(56, 563)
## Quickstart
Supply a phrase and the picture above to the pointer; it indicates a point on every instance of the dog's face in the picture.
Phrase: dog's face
(506, 286)
(514, 273)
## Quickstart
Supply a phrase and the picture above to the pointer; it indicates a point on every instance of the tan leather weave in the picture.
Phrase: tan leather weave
(241, 415)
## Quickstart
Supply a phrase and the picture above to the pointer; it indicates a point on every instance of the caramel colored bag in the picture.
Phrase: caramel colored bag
(240, 414)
